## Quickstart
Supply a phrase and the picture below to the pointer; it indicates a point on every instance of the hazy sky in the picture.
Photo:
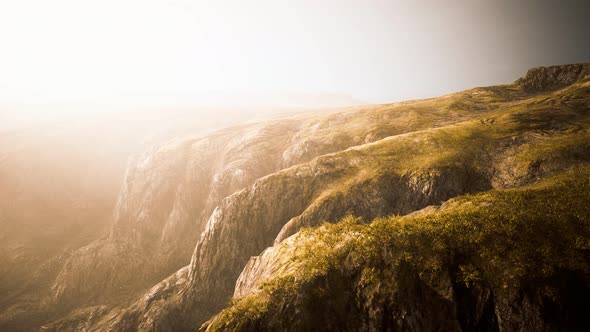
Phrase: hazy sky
(137, 52)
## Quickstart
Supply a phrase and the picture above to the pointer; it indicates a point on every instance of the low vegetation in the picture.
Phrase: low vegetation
(499, 239)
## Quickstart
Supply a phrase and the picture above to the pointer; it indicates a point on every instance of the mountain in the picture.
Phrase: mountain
(169, 193)
(455, 199)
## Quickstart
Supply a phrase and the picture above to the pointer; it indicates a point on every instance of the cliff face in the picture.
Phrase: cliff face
(166, 197)
(535, 135)
(251, 189)
(553, 77)
(169, 193)
(60, 177)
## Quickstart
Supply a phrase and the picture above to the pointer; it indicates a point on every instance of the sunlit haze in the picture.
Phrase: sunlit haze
(301, 165)
(156, 54)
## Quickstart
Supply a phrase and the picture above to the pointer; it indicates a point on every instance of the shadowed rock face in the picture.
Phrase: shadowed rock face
(241, 190)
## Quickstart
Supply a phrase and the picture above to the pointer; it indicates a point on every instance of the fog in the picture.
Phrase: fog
(131, 54)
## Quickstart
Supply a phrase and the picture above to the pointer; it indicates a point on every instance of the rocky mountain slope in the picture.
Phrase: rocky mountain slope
(512, 145)
(195, 213)
(169, 193)
(59, 179)
(505, 259)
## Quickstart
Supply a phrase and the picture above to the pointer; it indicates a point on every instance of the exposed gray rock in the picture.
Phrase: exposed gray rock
(553, 77)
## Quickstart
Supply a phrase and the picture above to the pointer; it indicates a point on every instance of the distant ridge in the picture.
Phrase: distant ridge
(553, 77)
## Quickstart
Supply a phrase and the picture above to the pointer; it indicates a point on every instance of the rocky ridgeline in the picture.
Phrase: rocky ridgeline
(231, 187)
(553, 77)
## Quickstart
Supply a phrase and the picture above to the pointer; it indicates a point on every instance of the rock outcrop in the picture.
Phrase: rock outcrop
(553, 77)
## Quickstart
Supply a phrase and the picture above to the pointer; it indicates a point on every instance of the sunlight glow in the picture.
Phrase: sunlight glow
(172, 53)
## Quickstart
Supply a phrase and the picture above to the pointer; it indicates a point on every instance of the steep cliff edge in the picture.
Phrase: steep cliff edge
(166, 196)
(516, 140)
(169, 193)
(373, 161)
